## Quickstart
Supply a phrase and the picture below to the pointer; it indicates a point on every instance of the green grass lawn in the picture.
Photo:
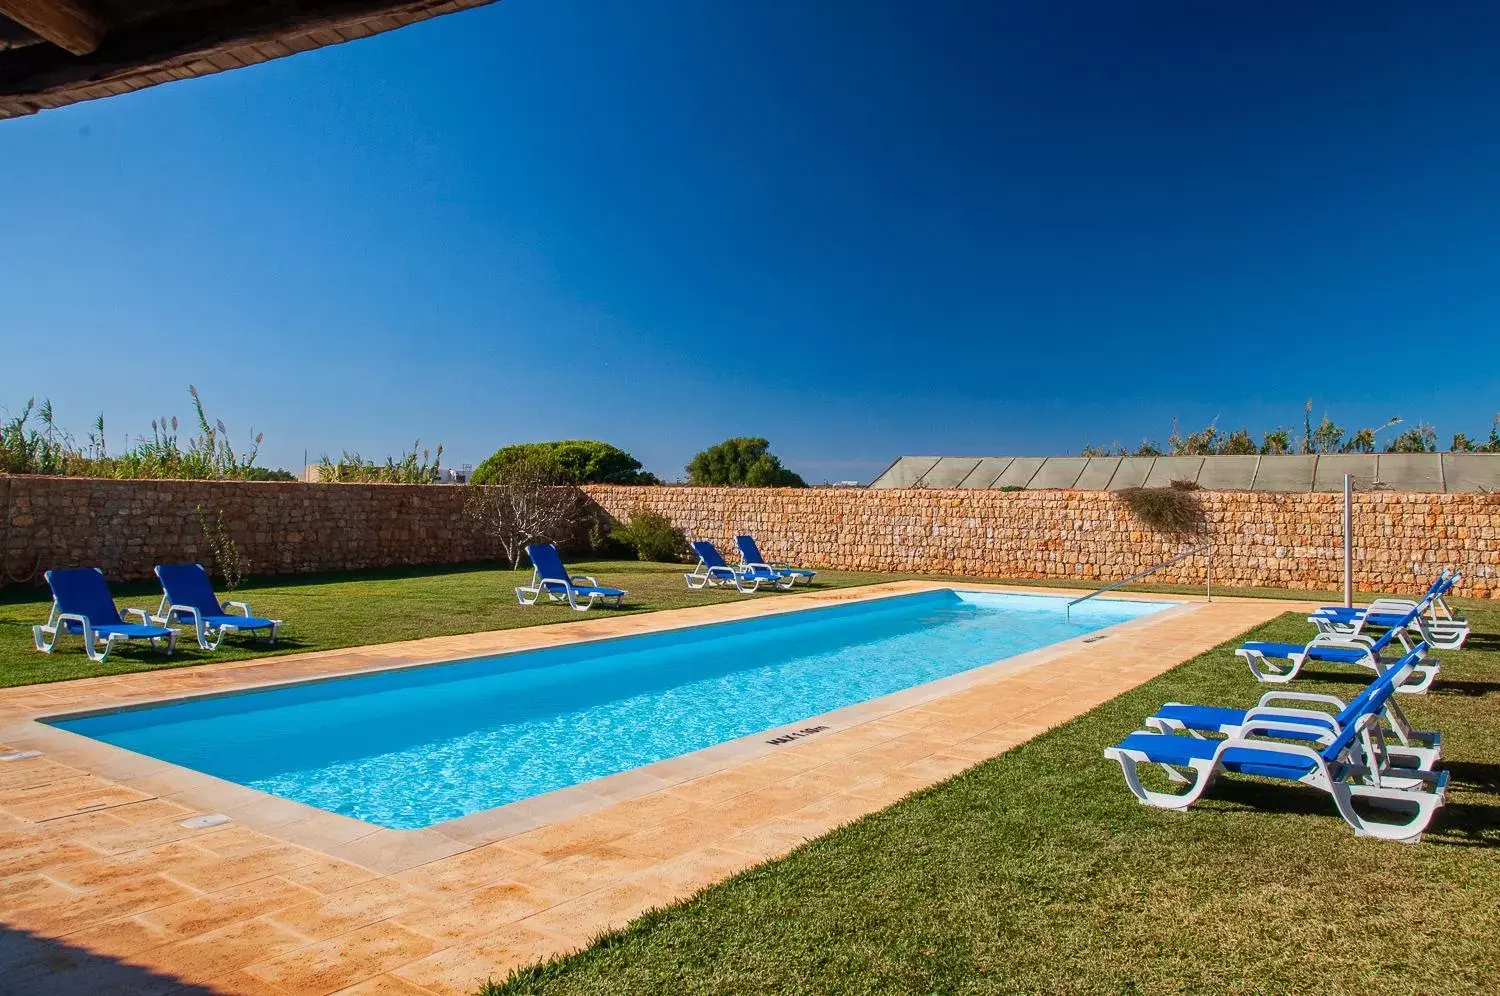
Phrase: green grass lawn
(1037, 872)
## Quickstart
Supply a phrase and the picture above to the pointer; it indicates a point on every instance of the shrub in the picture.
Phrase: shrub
(653, 536)
(578, 461)
(44, 447)
(744, 461)
(229, 563)
(1176, 509)
(416, 467)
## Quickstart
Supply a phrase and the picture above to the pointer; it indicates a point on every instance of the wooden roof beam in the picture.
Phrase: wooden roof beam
(68, 24)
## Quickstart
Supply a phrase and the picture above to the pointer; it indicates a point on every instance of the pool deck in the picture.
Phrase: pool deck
(103, 889)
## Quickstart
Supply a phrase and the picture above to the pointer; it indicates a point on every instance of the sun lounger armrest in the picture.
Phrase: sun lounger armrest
(757, 567)
(175, 613)
(1271, 713)
(780, 565)
(721, 572)
(584, 579)
(244, 607)
(1270, 746)
(61, 619)
(1332, 700)
(1347, 641)
(145, 616)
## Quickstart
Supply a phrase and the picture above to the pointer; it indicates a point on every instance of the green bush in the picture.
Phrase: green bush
(744, 461)
(653, 537)
(578, 461)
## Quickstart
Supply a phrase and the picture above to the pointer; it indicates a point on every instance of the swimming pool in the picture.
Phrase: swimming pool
(416, 746)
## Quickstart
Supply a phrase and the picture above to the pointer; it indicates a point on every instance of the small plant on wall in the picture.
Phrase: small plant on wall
(1176, 510)
(229, 562)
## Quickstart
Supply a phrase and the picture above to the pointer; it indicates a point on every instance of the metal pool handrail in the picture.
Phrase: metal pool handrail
(1208, 588)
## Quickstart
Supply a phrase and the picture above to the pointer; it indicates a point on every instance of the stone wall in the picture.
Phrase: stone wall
(127, 527)
(1260, 539)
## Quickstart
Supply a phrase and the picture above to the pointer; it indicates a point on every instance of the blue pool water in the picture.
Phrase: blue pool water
(414, 747)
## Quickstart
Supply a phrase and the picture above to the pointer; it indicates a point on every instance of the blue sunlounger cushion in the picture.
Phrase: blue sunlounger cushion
(1337, 655)
(242, 622)
(584, 589)
(132, 631)
(1211, 718)
(1168, 748)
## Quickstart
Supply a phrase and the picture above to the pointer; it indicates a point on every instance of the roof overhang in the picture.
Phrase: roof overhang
(57, 52)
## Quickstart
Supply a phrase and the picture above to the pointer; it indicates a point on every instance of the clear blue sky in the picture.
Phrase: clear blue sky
(860, 229)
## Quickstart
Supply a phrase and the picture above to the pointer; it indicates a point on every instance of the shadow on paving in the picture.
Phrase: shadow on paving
(32, 964)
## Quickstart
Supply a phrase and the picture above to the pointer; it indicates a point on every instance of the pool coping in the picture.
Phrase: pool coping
(309, 826)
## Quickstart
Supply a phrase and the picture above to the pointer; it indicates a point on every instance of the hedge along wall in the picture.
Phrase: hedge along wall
(127, 527)
(1260, 539)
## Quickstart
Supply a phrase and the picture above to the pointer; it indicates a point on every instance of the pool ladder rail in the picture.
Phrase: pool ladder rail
(1208, 586)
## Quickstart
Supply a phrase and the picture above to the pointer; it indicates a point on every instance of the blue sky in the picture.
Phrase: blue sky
(859, 229)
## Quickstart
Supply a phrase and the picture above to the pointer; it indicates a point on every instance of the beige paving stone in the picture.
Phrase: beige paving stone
(341, 962)
(21, 855)
(33, 890)
(211, 872)
(461, 970)
(366, 903)
(327, 875)
(391, 851)
(212, 955)
(85, 909)
(469, 869)
(123, 938)
(385, 985)
(241, 902)
(687, 874)
(103, 870)
(670, 839)
(586, 917)
(481, 911)
(576, 836)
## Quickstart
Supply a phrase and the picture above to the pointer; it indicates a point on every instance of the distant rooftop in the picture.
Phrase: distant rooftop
(1426, 472)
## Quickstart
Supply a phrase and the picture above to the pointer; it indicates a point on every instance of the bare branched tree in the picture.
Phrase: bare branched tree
(527, 502)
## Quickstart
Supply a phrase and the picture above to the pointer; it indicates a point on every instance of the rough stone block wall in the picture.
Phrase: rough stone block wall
(127, 527)
(1260, 539)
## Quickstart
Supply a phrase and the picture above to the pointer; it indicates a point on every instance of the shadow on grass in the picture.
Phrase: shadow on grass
(32, 963)
(1457, 824)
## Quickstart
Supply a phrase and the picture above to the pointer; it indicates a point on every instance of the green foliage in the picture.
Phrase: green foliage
(653, 536)
(744, 461)
(49, 449)
(1176, 509)
(1420, 438)
(578, 461)
(418, 466)
(230, 564)
(1276, 443)
(1238, 443)
(268, 474)
(1326, 437)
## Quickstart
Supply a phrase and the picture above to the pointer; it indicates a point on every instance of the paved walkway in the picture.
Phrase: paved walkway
(104, 890)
